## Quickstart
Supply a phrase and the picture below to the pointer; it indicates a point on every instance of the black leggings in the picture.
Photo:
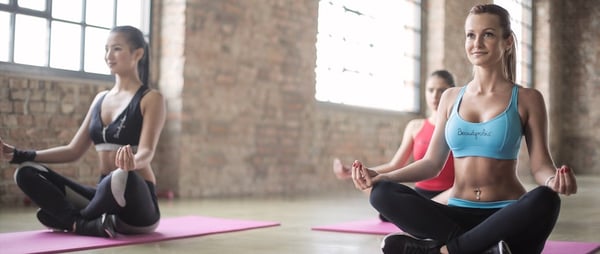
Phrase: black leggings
(123, 193)
(525, 225)
(428, 193)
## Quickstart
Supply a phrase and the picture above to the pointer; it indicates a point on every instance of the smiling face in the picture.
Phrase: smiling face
(485, 42)
(119, 57)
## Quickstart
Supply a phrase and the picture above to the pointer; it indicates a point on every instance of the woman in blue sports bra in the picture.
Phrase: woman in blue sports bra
(489, 210)
(124, 125)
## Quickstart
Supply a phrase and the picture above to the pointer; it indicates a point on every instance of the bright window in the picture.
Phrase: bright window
(521, 22)
(65, 34)
(368, 53)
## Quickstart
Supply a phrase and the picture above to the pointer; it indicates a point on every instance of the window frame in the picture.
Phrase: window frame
(10, 66)
(409, 82)
(525, 60)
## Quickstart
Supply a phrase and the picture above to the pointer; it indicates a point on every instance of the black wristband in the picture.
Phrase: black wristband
(20, 156)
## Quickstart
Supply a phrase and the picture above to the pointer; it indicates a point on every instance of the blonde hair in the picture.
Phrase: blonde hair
(509, 58)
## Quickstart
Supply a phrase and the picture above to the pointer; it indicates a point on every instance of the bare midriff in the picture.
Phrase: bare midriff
(482, 179)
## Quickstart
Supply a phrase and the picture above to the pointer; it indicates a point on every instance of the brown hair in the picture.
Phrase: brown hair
(509, 59)
(445, 75)
(136, 40)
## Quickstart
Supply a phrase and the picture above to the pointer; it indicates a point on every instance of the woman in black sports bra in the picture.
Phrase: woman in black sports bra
(124, 125)
(489, 210)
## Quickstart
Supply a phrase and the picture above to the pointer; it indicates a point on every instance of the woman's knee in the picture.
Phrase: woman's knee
(119, 181)
(542, 202)
(382, 192)
(545, 197)
(26, 171)
(378, 192)
(114, 185)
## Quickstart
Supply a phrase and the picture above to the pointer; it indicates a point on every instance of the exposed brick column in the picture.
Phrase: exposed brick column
(171, 40)
(444, 38)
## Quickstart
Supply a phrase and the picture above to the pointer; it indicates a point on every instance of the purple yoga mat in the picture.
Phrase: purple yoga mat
(377, 227)
(45, 241)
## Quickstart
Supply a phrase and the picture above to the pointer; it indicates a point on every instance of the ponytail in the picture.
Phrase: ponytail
(136, 40)
(144, 66)
(510, 60)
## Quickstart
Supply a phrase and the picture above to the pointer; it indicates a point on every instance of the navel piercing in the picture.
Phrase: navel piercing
(477, 193)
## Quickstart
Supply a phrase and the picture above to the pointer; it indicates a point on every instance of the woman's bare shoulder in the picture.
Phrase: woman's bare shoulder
(153, 95)
(529, 92)
(414, 125)
(530, 96)
(447, 101)
(416, 122)
(450, 94)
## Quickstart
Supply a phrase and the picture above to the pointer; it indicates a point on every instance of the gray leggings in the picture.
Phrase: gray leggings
(525, 225)
(123, 193)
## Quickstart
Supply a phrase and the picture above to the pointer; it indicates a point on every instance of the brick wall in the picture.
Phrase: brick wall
(249, 118)
(242, 121)
(576, 88)
(39, 112)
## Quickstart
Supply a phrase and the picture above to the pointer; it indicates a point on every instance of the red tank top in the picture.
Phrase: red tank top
(446, 178)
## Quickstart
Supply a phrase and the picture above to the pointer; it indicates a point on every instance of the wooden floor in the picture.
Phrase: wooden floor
(579, 221)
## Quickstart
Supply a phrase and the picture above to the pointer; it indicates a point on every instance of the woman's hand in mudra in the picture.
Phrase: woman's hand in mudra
(125, 158)
(362, 176)
(564, 181)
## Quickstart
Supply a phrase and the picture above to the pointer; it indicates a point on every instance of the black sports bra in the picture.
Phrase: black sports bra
(124, 130)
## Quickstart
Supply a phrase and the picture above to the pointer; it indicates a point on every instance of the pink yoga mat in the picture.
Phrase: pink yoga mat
(377, 227)
(45, 241)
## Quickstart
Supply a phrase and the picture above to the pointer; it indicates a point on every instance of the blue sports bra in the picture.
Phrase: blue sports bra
(498, 138)
(124, 130)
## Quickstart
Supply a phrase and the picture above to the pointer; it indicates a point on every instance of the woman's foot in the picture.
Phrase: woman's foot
(340, 171)
(499, 248)
(404, 243)
(103, 226)
(50, 221)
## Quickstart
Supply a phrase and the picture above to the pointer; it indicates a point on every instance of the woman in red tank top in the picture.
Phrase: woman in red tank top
(415, 141)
